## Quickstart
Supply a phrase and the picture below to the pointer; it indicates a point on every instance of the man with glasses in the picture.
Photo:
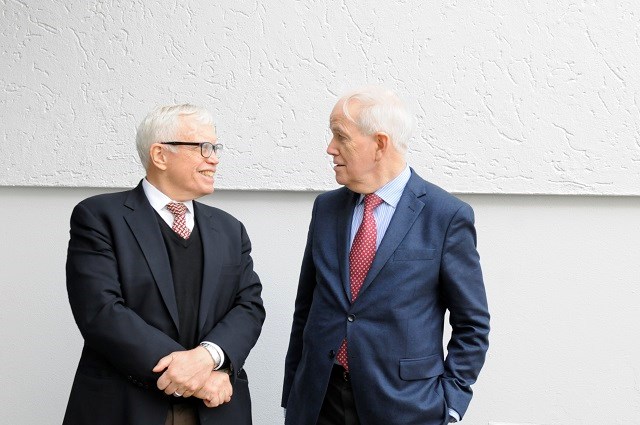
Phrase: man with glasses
(163, 289)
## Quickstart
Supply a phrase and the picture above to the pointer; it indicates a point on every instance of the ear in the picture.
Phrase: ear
(158, 156)
(383, 144)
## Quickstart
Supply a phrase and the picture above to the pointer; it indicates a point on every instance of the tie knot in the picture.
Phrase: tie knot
(177, 208)
(371, 201)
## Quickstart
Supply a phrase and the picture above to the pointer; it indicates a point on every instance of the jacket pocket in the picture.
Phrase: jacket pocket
(414, 254)
(421, 368)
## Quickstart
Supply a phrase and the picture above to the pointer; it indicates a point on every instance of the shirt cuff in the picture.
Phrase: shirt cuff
(453, 414)
(216, 353)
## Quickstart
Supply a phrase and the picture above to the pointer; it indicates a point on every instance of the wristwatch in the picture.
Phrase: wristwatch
(214, 353)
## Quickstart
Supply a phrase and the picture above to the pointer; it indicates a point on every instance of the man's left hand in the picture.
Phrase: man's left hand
(217, 390)
(185, 372)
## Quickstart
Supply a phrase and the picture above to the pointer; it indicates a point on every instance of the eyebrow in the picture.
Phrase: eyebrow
(336, 127)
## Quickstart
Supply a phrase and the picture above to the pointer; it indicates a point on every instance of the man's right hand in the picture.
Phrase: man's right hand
(216, 390)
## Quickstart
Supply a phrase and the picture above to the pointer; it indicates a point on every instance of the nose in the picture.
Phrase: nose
(331, 149)
(213, 159)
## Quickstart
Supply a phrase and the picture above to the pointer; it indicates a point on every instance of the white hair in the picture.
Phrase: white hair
(380, 110)
(163, 125)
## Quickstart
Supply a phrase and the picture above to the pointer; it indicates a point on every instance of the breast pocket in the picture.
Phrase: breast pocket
(414, 254)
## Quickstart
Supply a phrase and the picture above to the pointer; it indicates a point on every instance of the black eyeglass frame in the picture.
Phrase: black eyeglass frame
(215, 147)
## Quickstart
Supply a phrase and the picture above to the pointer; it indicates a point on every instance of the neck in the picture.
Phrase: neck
(393, 171)
(387, 172)
(163, 186)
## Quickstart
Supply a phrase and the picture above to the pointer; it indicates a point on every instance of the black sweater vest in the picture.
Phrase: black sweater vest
(186, 258)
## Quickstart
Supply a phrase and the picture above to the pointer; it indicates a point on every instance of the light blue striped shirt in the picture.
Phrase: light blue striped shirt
(390, 194)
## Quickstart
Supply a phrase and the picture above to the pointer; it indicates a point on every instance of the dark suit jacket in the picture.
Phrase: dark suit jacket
(426, 263)
(121, 293)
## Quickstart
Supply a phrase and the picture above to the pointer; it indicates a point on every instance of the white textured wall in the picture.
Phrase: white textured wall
(513, 96)
(562, 277)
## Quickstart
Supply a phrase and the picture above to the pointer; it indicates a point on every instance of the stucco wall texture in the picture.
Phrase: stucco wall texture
(511, 96)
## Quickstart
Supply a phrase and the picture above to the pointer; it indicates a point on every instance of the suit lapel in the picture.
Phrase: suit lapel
(343, 227)
(212, 259)
(406, 213)
(144, 226)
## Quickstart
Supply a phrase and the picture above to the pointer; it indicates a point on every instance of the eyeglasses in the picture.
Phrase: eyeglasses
(206, 148)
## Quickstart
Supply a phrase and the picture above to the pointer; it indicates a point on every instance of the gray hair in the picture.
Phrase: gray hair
(163, 124)
(381, 110)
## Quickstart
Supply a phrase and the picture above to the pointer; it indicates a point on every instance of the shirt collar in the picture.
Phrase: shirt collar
(159, 200)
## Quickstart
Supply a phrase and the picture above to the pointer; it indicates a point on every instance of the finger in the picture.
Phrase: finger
(194, 384)
(178, 378)
(172, 388)
(222, 397)
(163, 363)
(166, 379)
(163, 381)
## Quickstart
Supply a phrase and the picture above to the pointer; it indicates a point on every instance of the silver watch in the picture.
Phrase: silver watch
(213, 352)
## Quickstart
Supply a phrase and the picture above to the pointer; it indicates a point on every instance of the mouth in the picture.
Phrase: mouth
(207, 173)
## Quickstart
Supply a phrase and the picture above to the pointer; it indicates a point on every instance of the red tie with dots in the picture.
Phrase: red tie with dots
(361, 256)
(179, 212)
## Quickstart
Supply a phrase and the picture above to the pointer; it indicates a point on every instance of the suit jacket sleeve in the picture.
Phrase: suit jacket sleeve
(464, 293)
(95, 295)
(238, 330)
(304, 297)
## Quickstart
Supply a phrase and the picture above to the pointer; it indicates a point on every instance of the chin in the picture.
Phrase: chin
(203, 192)
(343, 182)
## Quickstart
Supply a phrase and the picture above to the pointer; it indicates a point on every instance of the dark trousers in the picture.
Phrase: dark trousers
(338, 407)
(182, 414)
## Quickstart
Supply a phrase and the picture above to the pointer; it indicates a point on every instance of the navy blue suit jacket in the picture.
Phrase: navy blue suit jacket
(122, 296)
(426, 263)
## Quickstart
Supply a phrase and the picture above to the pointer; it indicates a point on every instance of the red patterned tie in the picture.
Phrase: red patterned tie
(179, 212)
(361, 256)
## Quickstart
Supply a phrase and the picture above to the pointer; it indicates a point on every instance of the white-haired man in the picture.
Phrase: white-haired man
(386, 256)
(163, 289)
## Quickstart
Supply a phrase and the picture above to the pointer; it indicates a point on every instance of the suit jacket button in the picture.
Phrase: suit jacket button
(351, 317)
(332, 354)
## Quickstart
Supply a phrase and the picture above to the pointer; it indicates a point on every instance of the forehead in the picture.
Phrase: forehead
(193, 129)
(338, 119)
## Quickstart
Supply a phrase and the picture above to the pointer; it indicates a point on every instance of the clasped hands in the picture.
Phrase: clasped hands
(190, 373)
